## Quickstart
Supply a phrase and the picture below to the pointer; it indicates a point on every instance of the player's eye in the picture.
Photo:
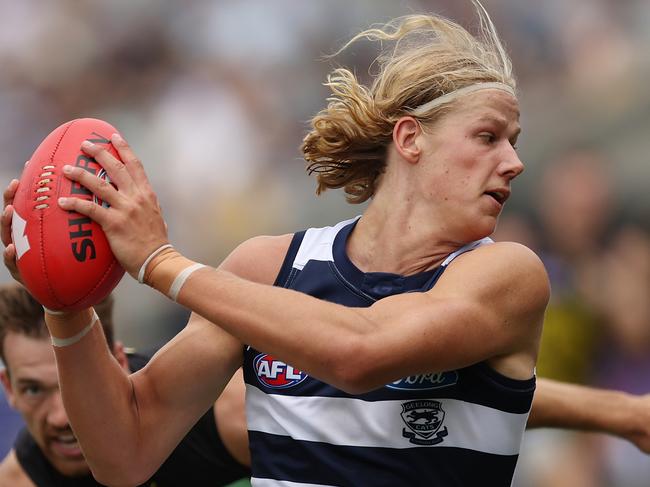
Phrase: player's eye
(488, 137)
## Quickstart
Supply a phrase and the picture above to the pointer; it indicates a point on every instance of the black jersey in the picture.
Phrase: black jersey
(200, 459)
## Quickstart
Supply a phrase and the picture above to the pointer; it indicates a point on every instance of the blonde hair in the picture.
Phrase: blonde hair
(425, 57)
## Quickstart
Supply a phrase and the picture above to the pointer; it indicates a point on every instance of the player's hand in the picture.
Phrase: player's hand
(133, 222)
(9, 253)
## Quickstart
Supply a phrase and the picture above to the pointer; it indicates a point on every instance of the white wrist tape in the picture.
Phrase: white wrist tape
(180, 280)
(143, 269)
(65, 342)
(52, 312)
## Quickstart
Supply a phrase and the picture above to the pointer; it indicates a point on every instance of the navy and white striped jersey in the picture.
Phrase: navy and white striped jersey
(446, 428)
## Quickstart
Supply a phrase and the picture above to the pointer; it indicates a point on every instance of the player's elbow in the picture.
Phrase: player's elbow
(355, 370)
(115, 479)
(121, 474)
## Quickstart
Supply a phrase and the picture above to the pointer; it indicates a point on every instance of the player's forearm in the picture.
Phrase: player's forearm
(98, 398)
(570, 406)
(312, 334)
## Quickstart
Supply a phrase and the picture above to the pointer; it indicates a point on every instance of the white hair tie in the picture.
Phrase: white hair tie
(452, 95)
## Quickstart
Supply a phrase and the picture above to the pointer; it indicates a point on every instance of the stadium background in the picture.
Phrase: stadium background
(215, 96)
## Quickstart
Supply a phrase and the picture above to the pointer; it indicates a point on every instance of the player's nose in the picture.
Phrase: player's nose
(511, 165)
(56, 416)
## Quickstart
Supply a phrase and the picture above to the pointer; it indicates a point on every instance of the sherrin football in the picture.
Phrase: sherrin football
(63, 257)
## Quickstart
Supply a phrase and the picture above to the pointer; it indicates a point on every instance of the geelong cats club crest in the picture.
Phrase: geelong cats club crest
(424, 417)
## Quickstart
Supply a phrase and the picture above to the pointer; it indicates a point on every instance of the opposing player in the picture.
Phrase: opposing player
(402, 349)
(47, 454)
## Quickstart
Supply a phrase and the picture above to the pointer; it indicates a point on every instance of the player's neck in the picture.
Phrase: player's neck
(392, 237)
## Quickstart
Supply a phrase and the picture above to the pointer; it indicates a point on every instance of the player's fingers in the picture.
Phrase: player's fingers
(10, 192)
(114, 168)
(5, 225)
(85, 207)
(131, 161)
(9, 257)
(99, 187)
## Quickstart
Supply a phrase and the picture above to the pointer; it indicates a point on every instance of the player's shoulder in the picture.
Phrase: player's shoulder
(512, 252)
(259, 258)
(507, 267)
(504, 257)
(12, 474)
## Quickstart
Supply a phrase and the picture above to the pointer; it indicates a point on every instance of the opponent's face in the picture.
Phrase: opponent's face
(32, 389)
(469, 160)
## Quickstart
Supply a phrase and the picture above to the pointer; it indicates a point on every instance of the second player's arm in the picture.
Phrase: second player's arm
(572, 406)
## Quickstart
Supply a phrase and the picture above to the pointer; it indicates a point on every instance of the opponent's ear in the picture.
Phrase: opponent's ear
(405, 134)
(6, 384)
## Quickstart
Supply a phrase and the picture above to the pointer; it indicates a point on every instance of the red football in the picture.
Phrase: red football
(63, 257)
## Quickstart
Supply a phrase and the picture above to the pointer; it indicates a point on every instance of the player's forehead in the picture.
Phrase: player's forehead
(29, 358)
(489, 105)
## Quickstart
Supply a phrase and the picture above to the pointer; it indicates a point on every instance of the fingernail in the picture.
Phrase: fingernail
(67, 169)
(86, 144)
(117, 138)
(63, 201)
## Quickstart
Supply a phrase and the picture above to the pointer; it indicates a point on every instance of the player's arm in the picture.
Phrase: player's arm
(488, 304)
(230, 417)
(12, 474)
(128, 425)
(571, 406)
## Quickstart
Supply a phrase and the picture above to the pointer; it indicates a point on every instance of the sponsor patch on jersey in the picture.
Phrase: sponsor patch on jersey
(424, 417)
(276, 374)
(425, 382)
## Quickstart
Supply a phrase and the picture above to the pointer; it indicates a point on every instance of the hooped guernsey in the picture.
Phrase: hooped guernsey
(446, 428)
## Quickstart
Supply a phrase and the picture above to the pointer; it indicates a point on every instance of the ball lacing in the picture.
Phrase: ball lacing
(44, 188)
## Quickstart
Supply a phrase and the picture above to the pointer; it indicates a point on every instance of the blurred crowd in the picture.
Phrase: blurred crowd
(215, 98)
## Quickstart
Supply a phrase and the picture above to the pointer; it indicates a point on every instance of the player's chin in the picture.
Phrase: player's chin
(482, 227)
(70, 467)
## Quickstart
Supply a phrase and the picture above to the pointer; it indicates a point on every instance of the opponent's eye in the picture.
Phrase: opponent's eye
(31, 390)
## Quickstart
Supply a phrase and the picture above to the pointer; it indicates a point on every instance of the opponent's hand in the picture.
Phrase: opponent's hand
(9, 253)
(133, 222)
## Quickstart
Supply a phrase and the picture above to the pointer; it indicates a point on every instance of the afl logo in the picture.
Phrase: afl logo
(276, 374)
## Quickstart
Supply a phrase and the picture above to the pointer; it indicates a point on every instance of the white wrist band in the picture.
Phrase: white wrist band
(148, 259)
(180, 280)
(53, 312)
(65, 342)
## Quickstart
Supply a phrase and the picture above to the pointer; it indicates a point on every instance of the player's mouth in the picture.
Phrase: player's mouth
(500, 195)
(66, 445)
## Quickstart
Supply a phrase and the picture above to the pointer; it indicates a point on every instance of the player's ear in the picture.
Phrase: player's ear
(405, 134)
(120, 355)
(6, 384)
